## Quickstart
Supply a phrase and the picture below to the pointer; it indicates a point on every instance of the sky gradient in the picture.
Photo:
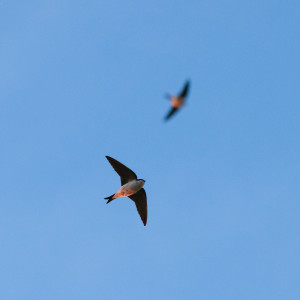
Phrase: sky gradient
(83, 79)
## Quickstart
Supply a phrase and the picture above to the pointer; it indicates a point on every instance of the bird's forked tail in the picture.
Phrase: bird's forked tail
(110, 198)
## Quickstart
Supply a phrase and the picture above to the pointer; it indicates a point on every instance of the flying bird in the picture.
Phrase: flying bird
(178, 101)
(131, 187)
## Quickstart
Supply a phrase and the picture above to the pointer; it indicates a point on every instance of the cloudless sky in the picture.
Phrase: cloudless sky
(83, 79)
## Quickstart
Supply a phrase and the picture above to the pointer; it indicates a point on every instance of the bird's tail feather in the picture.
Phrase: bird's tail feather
(110, 198)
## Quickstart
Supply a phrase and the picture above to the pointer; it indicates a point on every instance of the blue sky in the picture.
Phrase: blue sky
(83, 79)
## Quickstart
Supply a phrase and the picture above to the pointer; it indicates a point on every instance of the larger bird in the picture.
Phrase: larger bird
(131, 187)
(178, 101)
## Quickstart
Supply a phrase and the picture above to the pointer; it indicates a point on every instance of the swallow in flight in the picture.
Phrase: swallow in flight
(178, 101)
(131, 187)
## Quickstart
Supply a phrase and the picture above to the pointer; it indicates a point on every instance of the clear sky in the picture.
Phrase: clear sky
(83, 79)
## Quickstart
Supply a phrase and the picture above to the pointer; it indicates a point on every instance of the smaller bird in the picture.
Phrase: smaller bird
(131, 187)
(178, 101)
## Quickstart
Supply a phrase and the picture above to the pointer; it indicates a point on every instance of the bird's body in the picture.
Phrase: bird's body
(178, 101)
(131, 187)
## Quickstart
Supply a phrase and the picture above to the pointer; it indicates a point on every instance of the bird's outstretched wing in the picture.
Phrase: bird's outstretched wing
(185, 90)
(140, 200)
(171, 113)
(125, 173)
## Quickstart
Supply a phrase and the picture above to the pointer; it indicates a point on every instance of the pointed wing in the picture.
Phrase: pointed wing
(171, 113)
(125, 173)
(140, 200)
(185, 90)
